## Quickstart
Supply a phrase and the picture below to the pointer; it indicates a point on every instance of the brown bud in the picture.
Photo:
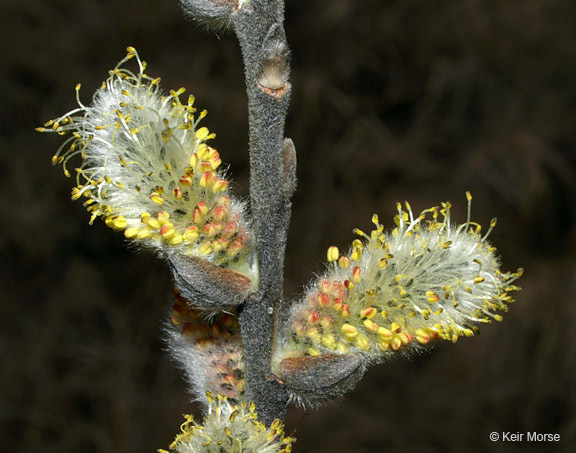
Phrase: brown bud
(315, 380)
(207, 285)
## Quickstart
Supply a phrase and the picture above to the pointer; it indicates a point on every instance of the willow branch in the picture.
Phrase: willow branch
(258, 25)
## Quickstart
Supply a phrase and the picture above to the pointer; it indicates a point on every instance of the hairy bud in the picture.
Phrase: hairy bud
(315, 380)
(208, 348)
(213, 13)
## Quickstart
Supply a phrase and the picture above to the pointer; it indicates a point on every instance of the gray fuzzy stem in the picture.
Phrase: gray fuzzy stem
(258, 26)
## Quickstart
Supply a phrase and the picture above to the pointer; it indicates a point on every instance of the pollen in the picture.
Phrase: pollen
(333, 253)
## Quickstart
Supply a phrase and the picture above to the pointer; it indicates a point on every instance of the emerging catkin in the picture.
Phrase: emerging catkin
(231, 428)
(396, 291)
(147, 170)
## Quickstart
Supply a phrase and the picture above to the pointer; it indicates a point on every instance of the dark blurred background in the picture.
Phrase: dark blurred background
(413, 100)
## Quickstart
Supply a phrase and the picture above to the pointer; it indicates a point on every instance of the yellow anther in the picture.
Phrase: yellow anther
(422, 336)
(370, 325)
(153, 223)
(76, 194)
(167, 231)
(469, 332)
(163, 217)
(396, 343)
(202, 148)
(191, 233)
(478, 280)
(215, 161)
(344, 262)
(343, 347)
(498, 317)
(368, 313)
(446, 244)
(156, 198)
(382, 263)
(220, 185)
(333, 253)
(384, 333)
(144, 233)
(202, 133)
(119, 222)
(131, 232)
(314, 335)
(177, 239)
(468, 196)
(349, 331)
(177, 93)
(356, 274)
(207, 179)
(432, 297)
(384, 345)
(375, 220)
(194, 159)
(358, 232)
(362, 342)
(313, 352)
(405, 337)
(205, 248)
(395, 327)
(329, 341)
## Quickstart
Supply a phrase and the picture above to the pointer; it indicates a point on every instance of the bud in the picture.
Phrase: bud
(209, 349)
(213, 13)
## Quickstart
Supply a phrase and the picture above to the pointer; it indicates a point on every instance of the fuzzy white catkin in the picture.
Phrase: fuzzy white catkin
(396, 291)
(148, 171)
(231, 428)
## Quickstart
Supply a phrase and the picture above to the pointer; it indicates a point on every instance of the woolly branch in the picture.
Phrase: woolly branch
(258, 26)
